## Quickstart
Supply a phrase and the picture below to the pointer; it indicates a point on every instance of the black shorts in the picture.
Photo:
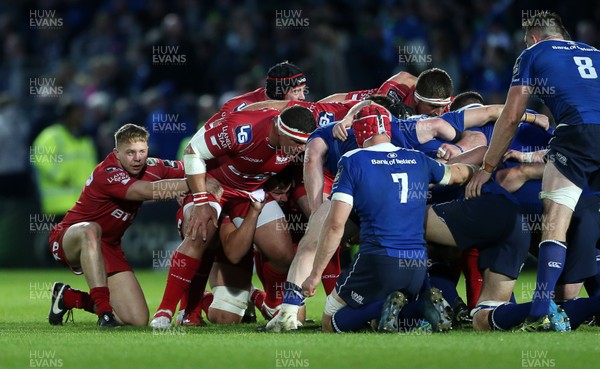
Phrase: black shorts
(373, 277)
(583, 234)
(574, 152)
(492, 224)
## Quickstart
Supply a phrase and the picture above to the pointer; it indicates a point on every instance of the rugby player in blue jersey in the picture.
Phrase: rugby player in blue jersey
(381, 183)
(563, 73)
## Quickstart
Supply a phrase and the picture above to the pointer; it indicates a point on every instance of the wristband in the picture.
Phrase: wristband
(200, 198)
(527, 157)
(460, 148)
(527, 118)
(488, 167)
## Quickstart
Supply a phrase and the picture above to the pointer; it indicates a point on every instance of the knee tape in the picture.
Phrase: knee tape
(233, 300)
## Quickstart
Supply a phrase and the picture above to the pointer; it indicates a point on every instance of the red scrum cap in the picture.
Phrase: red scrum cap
(370, 121)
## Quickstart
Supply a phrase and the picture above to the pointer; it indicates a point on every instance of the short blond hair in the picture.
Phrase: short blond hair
(131, 133)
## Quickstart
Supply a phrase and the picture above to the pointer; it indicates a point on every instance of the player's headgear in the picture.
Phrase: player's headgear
(370, 121)
(283, 77)
(296, 122)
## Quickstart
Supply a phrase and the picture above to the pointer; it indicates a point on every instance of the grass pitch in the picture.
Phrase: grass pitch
(28, 341)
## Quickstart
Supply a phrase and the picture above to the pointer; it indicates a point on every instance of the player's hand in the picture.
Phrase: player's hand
(309, 286)
(199, 220)
(474, 186)
(541, 121)
(513, 155)
(258, 205)
(339, 131)
(448, 151)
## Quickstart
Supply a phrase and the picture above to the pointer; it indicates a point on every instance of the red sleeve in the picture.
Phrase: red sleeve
(220, 139)
(112, 182)
(235, 131)
(360, 94)
(163, 169)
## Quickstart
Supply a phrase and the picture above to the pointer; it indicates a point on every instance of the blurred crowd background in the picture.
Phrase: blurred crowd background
(79, 69)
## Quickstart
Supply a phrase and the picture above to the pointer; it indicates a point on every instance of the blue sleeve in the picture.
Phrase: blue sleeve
(325, 132)
(436, 169)
(456, 119)
(343, 179)
(522, 71)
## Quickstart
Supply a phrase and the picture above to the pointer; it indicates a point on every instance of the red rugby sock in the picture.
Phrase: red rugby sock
(473, 277)
(181, 272)
(76, 299)
(101, 298)
(273, 284)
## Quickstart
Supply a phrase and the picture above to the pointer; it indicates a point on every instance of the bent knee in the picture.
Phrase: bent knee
(137, 319)
(228, 306)
(218, 316)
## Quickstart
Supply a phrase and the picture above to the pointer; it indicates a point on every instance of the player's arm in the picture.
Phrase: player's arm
(504, 131)
(525, 157)
(457, 174)
(403, 78)
(339, 131)
(269, 104)
(478, 117)
(314, 157)
(329, 240)
(334, 98)
(156, 190)
(512, 179)
(194, 159)
(468, 141)
(237, 241)
(473, 156)
(450, 126)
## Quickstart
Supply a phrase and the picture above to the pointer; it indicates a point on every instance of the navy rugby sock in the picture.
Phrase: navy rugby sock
(506, 317)
(579, 310)
(551, 260)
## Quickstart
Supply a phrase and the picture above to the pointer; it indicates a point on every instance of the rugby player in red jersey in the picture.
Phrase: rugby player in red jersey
(88, 240)
(430, 93)
(241, 152)
(285, 81)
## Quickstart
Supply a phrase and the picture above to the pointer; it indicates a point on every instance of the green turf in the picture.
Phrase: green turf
(28, 341)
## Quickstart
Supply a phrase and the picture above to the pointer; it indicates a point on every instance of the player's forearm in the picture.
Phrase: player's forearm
(473, 156)
(313, 173)
(168, 189)
(461, 173)
(329, 241)
(158, 190)
(347, 120)
(334, 98)
(478, 117)
(470, 140)
(313, 183)
(197, 182)
(506, 126)
(238, 242)
(271, 104)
